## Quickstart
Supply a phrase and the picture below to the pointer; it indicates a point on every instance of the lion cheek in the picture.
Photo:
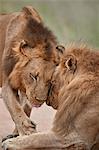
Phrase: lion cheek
(30, 95)
(14, 82)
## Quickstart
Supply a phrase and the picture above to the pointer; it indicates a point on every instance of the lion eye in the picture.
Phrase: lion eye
(33, 77)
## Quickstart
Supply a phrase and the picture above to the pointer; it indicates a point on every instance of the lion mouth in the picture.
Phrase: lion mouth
(35, 102)
(36, 105)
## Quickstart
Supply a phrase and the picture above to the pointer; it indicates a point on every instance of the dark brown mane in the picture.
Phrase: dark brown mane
(36, 33)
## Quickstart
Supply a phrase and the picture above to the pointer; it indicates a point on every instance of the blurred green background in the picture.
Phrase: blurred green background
(70, 20)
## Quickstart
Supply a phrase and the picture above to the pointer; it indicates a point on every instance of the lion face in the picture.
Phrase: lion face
(36, 80)
(77, 64)
(63, 75)
(35, 74)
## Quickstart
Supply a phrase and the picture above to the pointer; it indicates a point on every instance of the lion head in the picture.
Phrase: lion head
(76, 63)
(31, 56)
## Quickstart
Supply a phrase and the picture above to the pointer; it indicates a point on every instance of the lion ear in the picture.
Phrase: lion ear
(29, 11)
(25, 49)
(71, 63)
(60, 49)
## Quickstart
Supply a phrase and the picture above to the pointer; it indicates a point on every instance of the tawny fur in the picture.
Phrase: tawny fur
(75, 95)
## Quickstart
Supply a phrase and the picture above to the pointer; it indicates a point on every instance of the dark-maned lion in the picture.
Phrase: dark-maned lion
(75, 94)
(27, 62)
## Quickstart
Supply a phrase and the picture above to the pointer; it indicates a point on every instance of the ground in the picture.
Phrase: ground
(42, 116)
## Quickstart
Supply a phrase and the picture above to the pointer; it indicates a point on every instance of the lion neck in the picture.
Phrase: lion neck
(62, 124)
(70, 105)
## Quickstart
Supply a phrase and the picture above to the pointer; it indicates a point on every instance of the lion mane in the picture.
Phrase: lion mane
(78, 95)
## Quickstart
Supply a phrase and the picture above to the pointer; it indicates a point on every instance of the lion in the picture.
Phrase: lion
(75, 94)
(28, 58)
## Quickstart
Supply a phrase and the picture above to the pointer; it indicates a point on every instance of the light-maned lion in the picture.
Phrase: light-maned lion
(27, 61)
(75, 94)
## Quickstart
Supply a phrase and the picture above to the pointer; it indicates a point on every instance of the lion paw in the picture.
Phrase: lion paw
(28, 127)
(6, 145)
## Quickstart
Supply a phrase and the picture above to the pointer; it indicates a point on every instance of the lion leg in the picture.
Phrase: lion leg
(27, 107)
(22, 122)
(41, 141)
(23, 101)
(47, 141)
(27, 111)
